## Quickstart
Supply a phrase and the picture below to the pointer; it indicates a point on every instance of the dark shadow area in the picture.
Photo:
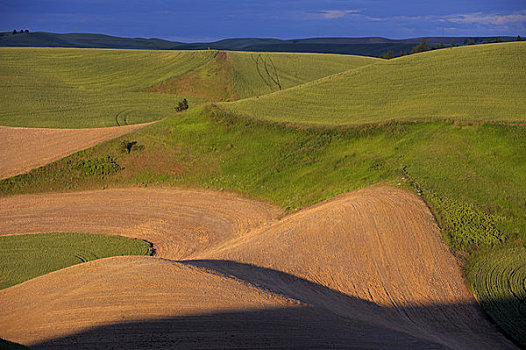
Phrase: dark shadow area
(7, 345)
(287, 328)
(323, 319)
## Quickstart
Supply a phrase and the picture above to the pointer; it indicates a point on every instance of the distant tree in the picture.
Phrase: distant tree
(388, 55)
(518, 38)
(471, 42)
(441, 46)
(14, 31)
(422, 47)
(401, 53)
(452, 43)
(498, 40)
(27, 30)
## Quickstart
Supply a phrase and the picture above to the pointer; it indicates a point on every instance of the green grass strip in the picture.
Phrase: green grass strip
(499, 281)
(23, 257)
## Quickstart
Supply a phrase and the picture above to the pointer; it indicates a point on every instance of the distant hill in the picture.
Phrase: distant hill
(371, 46)
(42, 39)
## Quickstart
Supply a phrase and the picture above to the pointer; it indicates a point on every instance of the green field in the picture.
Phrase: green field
(479, 82)
(75, 88)
(23, 257)
(78, 88)
(498, 279)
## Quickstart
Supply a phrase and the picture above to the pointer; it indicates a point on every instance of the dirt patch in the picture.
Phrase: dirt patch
(23, 149)
(211, 82)
(366, 269)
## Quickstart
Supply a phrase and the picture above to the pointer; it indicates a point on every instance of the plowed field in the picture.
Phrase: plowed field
(364, 270)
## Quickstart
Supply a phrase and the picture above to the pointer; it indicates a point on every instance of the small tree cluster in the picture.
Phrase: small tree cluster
(183, 106)
(388, 55)
(21, 31)
(518, 38)
(422, 47)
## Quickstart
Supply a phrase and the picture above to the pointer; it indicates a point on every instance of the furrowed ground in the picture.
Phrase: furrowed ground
(480, 82)
(230, 286)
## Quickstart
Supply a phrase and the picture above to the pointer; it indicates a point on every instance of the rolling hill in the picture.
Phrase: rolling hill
(75, 88)
(446, 125)
(482, 83)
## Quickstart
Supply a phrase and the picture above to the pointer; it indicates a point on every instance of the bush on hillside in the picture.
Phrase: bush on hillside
(183, 106)
(129, 146)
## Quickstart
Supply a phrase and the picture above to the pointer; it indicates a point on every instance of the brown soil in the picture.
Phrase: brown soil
(23, 149)
(364, 270)
(211, 82)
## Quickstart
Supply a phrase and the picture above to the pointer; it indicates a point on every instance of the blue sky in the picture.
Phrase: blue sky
(207, 20)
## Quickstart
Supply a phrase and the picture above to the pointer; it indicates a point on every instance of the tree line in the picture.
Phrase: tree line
(423, 46)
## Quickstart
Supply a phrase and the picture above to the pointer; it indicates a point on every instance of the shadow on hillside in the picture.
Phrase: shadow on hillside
(324, 319)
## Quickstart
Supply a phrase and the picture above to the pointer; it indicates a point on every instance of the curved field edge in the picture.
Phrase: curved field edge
(499, 280)
(483, 82)
(23, 257)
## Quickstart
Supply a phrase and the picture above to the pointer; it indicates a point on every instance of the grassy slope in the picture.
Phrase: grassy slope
(481, 82)
(76, 88)
(256, 74)
(23, 257)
